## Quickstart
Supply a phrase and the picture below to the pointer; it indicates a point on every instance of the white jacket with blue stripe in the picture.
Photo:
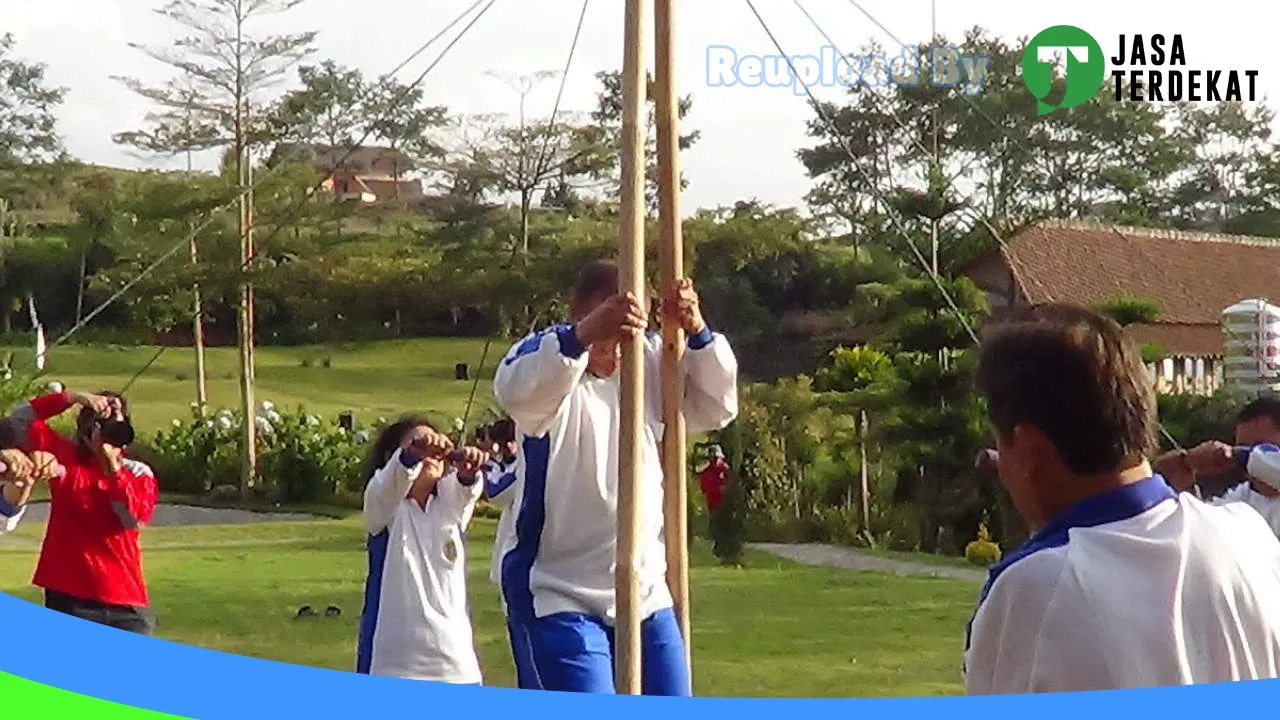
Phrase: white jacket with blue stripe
(1262, 464)
(562, 557)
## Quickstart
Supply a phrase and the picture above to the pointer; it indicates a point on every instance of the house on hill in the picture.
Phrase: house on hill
(369, 174)
(1191, 277)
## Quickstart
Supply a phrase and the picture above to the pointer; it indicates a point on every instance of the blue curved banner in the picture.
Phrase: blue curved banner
(187, 682)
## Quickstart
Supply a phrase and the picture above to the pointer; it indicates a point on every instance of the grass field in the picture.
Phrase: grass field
(773, 629)
(373, 379)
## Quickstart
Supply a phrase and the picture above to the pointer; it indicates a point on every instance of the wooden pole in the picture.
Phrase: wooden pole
(671, 257)
(631, 422)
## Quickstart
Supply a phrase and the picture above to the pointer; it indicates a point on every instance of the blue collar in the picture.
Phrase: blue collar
(1112, 506)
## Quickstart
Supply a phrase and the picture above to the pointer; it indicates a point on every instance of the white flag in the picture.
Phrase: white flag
(41, 347)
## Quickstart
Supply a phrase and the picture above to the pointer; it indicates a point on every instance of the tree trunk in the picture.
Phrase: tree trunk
(197, 332)
(84, 260)
(865, 489)
(244, 315)
(927, 512)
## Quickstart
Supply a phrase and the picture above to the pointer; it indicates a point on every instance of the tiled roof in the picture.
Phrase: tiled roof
(330, 157)
(1195, 340)
(1192, 277)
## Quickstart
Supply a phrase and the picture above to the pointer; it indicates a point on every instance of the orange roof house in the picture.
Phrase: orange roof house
(1192, 277)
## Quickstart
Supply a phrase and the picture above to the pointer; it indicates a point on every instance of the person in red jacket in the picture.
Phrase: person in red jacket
(714, 478)
(90, 563)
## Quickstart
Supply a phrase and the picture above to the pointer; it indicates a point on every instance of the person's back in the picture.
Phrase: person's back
(1183, 592)
(1268, 506)
(1123, 583)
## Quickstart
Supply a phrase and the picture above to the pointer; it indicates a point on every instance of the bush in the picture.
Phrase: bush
(1193, 419)
(300, 457)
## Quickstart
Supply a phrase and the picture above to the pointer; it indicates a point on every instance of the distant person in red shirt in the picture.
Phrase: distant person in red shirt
(714, 478)
(90, 564)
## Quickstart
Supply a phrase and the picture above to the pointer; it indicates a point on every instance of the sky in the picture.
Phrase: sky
(749, 134)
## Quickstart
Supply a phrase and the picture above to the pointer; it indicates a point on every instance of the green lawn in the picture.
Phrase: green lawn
(774, 629)
(374, 379)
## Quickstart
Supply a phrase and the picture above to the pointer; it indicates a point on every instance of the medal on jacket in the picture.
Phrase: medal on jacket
(450, 550)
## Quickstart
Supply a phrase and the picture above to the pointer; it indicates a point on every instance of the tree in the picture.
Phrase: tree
(1219, 186)
(857, 381)
(995, 159)
(217, 98)
(29, 143)
(223, 74)
(329, 109)
(401, 120)
(521, 156)
(939, 424)
(608, 119)
(97, 208)
(28, 106)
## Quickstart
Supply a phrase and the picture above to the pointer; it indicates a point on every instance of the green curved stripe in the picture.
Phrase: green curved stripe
(21, 699)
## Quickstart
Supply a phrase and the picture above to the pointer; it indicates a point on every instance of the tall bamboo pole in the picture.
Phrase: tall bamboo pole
(631, 279)
(671, 257)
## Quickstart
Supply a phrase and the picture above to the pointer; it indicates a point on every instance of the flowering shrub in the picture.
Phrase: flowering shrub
(301, 458)
(982, 552)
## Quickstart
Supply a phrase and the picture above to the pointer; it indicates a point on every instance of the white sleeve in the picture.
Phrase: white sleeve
(9, 523)
(711, 383)
(1237, 493)
(1002, 655)
(1262, 463)
(460, 499)
(385, 491)
(537, 375)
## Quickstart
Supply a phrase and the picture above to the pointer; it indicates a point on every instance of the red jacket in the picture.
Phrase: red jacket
(87, 553)
(713, 479)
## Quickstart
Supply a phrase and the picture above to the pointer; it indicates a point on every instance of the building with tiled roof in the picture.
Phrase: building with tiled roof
(369, 174)
(1191, 277)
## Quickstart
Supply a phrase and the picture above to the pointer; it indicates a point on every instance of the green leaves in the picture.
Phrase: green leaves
(1130, 309)
(28, 107)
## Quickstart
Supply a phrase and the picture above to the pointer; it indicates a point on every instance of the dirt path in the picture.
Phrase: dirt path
(170, 515)
(851, 559)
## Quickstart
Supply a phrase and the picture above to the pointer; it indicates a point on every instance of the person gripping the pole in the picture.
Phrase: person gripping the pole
(561, 388)
(1254, 462)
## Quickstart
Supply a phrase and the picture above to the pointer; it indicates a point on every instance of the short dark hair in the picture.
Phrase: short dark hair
(388, 441)
(503, 431)
(84, 421)
(1263, 407)
(1071, 373)
(596, 281)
